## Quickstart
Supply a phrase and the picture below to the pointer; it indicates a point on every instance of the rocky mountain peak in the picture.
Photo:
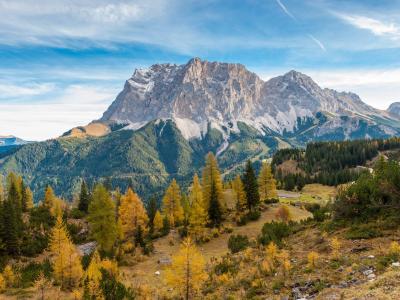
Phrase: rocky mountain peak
(200, 93)
(394, 108)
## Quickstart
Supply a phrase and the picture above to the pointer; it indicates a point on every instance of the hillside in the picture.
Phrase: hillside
(146, 159)
(330, 163)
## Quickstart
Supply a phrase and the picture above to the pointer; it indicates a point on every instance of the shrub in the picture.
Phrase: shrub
(227, 265)
(183, 231)
(283, 214)
(362, 231)
(271, 201)
(253, 215)
(76, 213)
(31, 272)
(215, 232)
(237, 243)
(241, 220)
(228, 229)
(113, 289)
(274, 232)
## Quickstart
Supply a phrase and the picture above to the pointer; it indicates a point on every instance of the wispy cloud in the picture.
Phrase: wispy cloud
(285, 9)
(10, 91)
(375, 26)
(76, 105)
(318, 42)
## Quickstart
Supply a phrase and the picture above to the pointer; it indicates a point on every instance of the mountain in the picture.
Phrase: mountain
(147, 158)
(10, 140)
(10, 144)
(394, 109)
(202, 93)
(168, 117)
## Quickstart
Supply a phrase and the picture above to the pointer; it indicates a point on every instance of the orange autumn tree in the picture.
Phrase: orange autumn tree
(132, 214)
(198, 213)
(66, 259)
(172, 207)
(187, 271)
(267, 183)
(158, 222)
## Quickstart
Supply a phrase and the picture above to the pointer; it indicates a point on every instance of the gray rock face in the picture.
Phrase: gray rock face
(394, 109)
(200, 93)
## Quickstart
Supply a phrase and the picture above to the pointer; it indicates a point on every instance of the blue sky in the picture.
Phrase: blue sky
(63, 62)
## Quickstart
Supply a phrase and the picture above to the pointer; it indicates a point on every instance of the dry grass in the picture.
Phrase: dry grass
(144, 272)
(290, 167)
(311, 193)
(92, 129)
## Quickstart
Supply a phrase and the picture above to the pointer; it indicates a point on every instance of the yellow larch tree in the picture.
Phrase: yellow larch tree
(284, 259)
(198, 214)
(187, 271)
(93, 276)
(29, 198)
(111, 266)
(270, 260)
(312, 258)
(171, 204)
(238, 188)
(66, 260)
(335, 246)
(9, 276)
(394, 249)
(157, 222)
(267, 183)
(283, 214)
(54, 204)
(49, 198)
(212, 179)
(42, 284)
(2, 284)
(132, 214)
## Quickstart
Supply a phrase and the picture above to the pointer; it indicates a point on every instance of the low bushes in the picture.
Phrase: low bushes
(271, 201)
(362, 231)
(274, 232)
(238, 243)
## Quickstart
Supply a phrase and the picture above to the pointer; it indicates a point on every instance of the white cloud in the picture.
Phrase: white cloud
(10, 91)
(78, 105)
(375, 26)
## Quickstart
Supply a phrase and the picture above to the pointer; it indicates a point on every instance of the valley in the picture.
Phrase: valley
(202, 181)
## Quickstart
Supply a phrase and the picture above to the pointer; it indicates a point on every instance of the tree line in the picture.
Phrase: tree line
(329, 163)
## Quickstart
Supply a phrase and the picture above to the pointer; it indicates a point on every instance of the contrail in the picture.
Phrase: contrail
(285, 9)
(318, 42)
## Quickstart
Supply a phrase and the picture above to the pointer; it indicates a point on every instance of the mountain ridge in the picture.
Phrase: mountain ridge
(168, 117)
(201, 92)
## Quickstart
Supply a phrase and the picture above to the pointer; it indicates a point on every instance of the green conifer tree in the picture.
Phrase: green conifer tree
(12, 224)
(102, 218)
(84, 198)
(214, 209)
(152, 208)
(251, 187)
